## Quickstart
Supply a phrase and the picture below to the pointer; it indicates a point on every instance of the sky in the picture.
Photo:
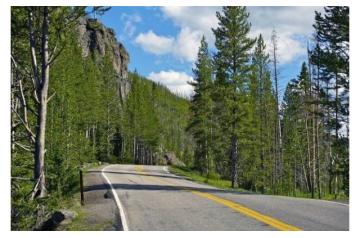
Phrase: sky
(163, 41)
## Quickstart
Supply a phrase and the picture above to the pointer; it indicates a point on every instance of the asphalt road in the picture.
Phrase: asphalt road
(150, 198)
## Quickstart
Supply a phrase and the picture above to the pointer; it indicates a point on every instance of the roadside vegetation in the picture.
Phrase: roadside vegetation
(216, 181)
(195, 175)
(82, 221)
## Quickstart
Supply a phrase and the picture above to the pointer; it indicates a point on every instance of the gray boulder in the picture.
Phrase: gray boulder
(171, 159)
(58, 218)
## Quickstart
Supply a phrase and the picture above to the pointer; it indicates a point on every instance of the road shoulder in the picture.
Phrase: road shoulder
(99, 211)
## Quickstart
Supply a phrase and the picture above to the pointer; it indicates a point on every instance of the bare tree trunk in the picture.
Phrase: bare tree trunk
(142, 153)
(94, 138)
(313, 161)
(108, 136)
(12, 105)
(234, 161)
(318, 160)
(273, 159)
(207, 158)
(305, 176)
(39, 156)
(313, 136)
(145, 156)
(278, 135)
(122, 147)
(295, 178)
(139, 153)
(308, 173)
(134, 149)
(336, 131)
(262, 155)
(318, 122)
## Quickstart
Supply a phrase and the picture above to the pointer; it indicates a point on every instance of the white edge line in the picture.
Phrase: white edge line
(117, 201)
(310, 199)
(339, 203)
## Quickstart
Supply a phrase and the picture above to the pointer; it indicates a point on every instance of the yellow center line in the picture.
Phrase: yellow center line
(280, 225)
(139, 168)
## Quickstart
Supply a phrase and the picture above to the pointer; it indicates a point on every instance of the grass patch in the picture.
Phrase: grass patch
(88, 166)
(81, 222)
(341, 197)
(212, 179)
(216, 181)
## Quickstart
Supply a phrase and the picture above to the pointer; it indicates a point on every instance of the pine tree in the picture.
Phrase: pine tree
(331, 55)
(263, 114)
(202, 108)
(232, 72)
(301, 151)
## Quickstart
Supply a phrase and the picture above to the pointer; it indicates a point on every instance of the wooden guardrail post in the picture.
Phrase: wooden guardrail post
(81, 188)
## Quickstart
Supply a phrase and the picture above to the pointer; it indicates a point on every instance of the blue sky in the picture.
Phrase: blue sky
(163, 41)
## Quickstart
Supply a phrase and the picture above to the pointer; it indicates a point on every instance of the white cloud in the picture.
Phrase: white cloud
(289, 22)
(184, 47)
(177, 82)
(194, 22)
(288, 48)
(129, 28)
(197, 19)
(129, 25)
(155, 44)
(187, 44)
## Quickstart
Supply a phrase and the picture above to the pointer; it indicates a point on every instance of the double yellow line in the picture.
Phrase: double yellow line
(280, 225)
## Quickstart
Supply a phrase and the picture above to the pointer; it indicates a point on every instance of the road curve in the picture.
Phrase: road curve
(150, 198)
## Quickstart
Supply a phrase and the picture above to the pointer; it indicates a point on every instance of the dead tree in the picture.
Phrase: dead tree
(278, 136)
(41, 75)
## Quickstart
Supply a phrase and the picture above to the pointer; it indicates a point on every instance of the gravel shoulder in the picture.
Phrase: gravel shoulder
(99, 212)
(99, 204)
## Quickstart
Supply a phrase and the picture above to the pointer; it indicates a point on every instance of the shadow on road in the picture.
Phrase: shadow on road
(151, 187)
(135, 173)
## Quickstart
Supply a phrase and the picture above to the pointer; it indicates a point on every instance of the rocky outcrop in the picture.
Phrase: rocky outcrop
(57, 219)
(171, 159)
(97, 40)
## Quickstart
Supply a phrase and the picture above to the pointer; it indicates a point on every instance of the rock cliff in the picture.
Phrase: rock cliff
(95, 38)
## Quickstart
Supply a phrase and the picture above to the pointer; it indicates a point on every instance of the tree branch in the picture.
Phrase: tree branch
(54, 55)
(32, 135)
(32, 50)
(35, 189)
(23, 102)
(14, 62)
(21, 178)
(48, 100)
(27, 148)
